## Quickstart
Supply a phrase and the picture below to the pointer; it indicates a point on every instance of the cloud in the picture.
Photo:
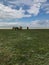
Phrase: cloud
(26, 2)
(9, 23)
(45, 8)
(7, 12)
(39, 1)
(34, 9)
(41, 23)
(38, 24)
(32, 24)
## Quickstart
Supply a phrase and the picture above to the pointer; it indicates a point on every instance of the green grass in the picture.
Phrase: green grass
(24, 47)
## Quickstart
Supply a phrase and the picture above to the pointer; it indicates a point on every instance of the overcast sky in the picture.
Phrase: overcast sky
(32, 13)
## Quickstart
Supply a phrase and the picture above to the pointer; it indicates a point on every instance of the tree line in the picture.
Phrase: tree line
(19, 28)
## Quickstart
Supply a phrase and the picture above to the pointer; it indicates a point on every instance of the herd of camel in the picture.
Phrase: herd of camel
(19, 28)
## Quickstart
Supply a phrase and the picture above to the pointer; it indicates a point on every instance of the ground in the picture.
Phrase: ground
(24, 47)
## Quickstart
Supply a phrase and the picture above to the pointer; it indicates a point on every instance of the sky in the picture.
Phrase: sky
(31, 13)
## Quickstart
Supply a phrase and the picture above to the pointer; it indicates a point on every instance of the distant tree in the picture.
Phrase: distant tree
(27, 28)
(20, 28)
(15, 28)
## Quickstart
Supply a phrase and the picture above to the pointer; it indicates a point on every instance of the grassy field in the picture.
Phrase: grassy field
(24, 47)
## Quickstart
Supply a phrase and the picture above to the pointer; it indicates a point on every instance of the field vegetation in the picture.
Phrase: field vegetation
(24, 47)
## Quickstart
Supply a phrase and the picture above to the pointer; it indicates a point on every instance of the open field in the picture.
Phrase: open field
(24, 47)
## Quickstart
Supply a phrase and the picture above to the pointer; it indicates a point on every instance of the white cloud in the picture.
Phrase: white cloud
(34, 9)
(41, 22)
(47, 12)
(39, 1)
(7, 12)
(37, 24)
(26, 2)
(8, 23)
(45, 8)
(32, 24)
